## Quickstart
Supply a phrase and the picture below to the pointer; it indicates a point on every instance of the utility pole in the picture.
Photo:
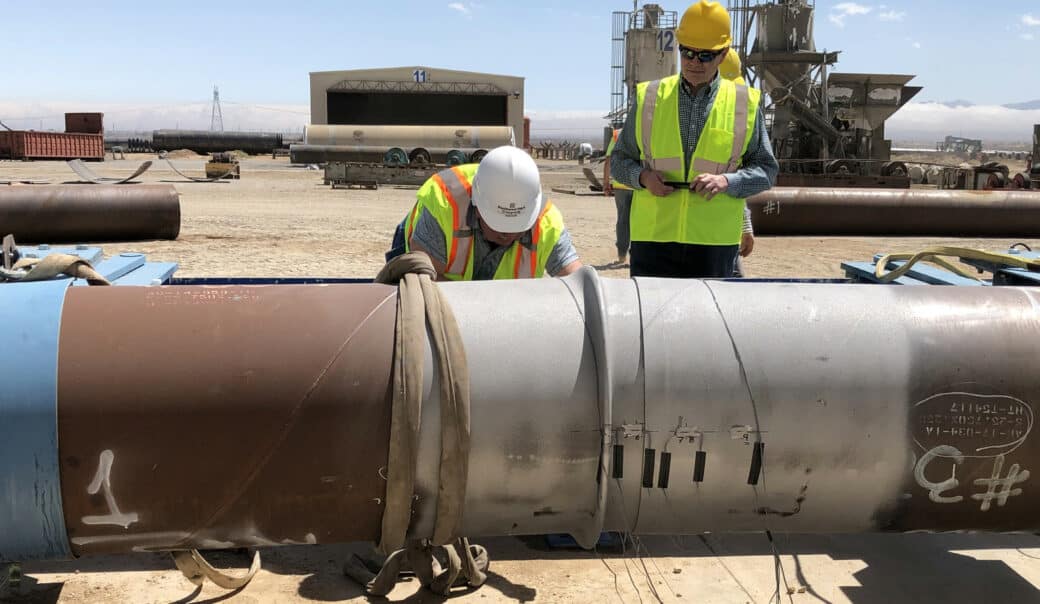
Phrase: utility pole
(216, 120)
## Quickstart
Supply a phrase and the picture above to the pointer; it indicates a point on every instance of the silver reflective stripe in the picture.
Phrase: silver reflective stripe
(457, 189)
(740, 119)
(649, 104)
(706, 166)
(462, 234)
(667, 163)
(462, 249)
(525, 269)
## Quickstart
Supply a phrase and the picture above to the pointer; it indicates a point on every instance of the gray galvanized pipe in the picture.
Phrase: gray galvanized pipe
(410, 137)
(896, 212)
(792, 407)
(77, 213)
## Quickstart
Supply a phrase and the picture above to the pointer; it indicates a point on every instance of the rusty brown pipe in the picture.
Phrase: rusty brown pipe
(81, 213)
(228, 415)
(895, 212)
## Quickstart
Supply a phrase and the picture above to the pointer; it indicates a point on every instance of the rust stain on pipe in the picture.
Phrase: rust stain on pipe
(80, 213)
(906, 212)
(180, 424)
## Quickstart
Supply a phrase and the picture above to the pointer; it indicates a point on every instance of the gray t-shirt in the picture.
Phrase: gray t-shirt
(486, 255)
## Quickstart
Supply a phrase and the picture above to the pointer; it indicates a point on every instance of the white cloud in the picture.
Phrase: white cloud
(932, 121)
(1027, 36)
(843, 10)
(892, 15)
(1030, 20)
(462, 8)
(917, 45)
(851, 8)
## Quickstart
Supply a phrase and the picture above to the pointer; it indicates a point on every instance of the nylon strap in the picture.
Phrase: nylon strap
(419, 298)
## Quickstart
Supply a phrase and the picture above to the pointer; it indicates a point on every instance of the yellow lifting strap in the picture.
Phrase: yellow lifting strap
(933, 255)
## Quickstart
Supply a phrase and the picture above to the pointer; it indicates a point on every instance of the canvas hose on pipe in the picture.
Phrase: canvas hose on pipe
(422, 310)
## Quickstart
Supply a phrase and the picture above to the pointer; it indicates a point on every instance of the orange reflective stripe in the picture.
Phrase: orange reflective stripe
(466, 184)
(454, 214)
(411, 223)
(457, 190)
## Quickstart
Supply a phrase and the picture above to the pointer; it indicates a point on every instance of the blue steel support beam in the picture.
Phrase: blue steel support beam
(32, 525)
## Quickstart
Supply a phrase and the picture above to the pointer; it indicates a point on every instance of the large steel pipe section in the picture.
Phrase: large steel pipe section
(205, 141)
(895, 212)
(224, 416)
(76, 213)
(410, 137)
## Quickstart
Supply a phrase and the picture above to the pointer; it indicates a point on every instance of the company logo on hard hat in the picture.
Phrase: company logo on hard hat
(512, 210)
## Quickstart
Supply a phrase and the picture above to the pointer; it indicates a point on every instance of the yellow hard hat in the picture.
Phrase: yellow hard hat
(730, 67)
(704, 26)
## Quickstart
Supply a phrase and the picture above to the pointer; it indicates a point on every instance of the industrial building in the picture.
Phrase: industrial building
(417, 96)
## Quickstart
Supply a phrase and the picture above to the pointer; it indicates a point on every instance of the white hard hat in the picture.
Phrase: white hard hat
(507, 190)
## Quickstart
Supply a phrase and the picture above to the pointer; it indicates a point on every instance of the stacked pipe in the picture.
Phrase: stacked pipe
(175, 417)
(205, 141)
(421, 144)
(75, 214)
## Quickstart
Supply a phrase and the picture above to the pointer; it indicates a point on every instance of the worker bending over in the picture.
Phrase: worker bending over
(694, 147)
(488, 221)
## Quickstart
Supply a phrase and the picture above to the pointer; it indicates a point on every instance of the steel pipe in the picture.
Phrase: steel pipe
(205, 141)
(410, 137)
(76, 214)
(895, 212)
(195, 416)
(316, 154)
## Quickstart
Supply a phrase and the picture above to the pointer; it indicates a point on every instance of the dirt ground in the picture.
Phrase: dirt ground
(281, 220)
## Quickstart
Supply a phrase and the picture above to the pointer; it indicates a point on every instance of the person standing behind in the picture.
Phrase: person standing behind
(693, 148)
(622, 200)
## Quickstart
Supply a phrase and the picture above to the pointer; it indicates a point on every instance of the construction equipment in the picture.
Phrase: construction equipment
(957, 144)
(365, 175)
(827, 129)
(223, 165)
(643, 48)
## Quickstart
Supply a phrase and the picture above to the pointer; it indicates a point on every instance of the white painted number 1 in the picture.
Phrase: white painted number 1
(419, 75)
(103, 482)
(665, 40)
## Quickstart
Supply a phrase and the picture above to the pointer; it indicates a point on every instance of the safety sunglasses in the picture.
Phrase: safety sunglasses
(704, 56)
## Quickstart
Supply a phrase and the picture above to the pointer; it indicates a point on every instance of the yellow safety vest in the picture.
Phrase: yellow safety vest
(447, 197)
(610, 149)
(685, 216)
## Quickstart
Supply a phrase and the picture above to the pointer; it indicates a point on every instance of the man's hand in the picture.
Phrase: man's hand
(747, 243)
(608, 190)
(710, 185)
(652, 181)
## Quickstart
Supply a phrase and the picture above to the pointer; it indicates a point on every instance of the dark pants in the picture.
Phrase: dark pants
(623, 201)
(397, 246)
(682, 260)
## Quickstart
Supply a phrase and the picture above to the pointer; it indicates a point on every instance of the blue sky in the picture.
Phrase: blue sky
(260, 52)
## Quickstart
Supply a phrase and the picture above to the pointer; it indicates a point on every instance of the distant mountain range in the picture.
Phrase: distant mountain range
(1024, 106)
